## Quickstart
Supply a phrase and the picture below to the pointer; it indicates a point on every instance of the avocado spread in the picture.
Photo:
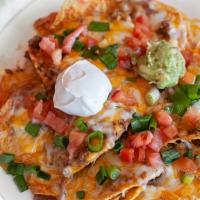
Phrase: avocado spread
(163, 64)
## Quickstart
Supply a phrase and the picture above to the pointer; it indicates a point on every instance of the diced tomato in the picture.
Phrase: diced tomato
(170, 131)
(120, 96)
(154, 160)
(141, 139)
(142, 19)
(127, 155)
(56, 56)
(163, 118)
(188, 55)
(48, 44)
(185, 164)
(188, 78)
(57, 124)
(157, 141)
(91, 42)
(71, 38)
(124, 61)
(191, 117)
(140, 154)
(76, 139)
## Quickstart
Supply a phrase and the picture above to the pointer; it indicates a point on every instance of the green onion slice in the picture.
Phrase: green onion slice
(92, 53)
(170, 155)
(21, 183)
(33, 129)
(139, 123)
(131, 79)
(118, 146)
(153, 124)
(80, 194)
(78, 46)
(61, 141)
(113, 172)
(197, 81)
(81, 125)
(99, 26)
(15, 168)
(43, 175)
(32, 169)
(169, 109)
(6, 158)
(95, 141)
(101, 176)
(187, 178)
(109, 60)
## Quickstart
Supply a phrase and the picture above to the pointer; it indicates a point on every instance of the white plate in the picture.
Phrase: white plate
(13, 42)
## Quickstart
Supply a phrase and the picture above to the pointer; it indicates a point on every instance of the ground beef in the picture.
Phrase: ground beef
(34, 42)
(163, 30)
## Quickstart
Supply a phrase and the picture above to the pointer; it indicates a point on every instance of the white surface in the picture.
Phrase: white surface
(9, 8)
(18, 32)
(81, 89)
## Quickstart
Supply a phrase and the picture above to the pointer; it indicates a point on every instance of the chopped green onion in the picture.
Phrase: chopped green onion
(109, 56)
(15, 168)
(181, 102)
(6, 158)
(33, 129)
(192, 91)
(187, 178)
(152, 124)
(169, 109)
(197, 81)
(61, 141)
(21, 183)
(109, 61)
(78, 46)
(80, 195)
(81, 125)
(131, 79)
(99, 26)
(102, 175)
(170, 155)
(140, 123)
(41, 96)
(67, 32)
(152, 96)
(112, 49)
(43, 175)
(113, 172)
(98, 136)
(118, 146)
(92, 53)
(32, 169)
(189, 154)
(59, 38)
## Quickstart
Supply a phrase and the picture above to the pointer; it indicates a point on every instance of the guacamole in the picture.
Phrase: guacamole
(163, 64)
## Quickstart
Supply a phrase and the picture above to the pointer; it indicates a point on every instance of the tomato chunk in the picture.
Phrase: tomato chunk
(76, 139)
(157, 141)
(141, 139)
(154, 159)
(125, 62)
(120, 96)
(163, 118)
(140, 154)
(127, 155)
(185, 164)
(57, 124)
(170, 131)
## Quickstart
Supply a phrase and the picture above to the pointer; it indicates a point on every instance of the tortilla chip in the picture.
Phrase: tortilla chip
(132, 175)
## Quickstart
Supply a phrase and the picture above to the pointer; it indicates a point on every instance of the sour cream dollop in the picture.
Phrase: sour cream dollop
(81, 89)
